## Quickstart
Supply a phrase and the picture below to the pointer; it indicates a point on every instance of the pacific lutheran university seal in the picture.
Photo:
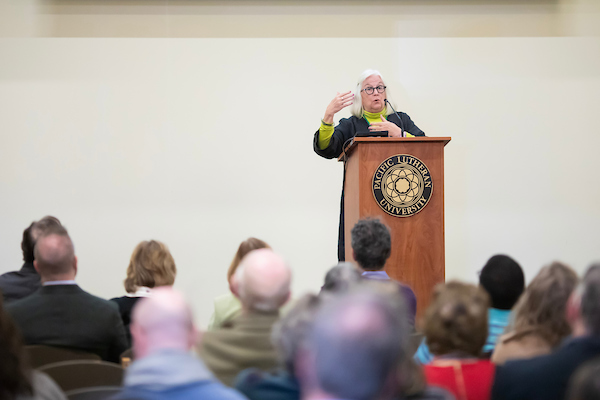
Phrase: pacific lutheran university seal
(402, 185)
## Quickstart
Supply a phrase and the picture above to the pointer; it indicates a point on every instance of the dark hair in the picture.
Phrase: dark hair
(341, 278)
(244, 248)
(32, 233)
(372, 244)
(503, 279)
(457, 319)
(14, 372)
(585, 382)
(590, 300)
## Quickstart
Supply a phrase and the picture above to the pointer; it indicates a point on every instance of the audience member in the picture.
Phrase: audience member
(288, 335)
(262, 283)
(16, 285)
(163, 334)
(585, 383)
(546, 377)
(354, 349)
(503, 279)
(60, 313)
(228, 306)
(151, 265)
(341, 278)
(456, 330)
(17, 380)
(371, 248)
(539, 322)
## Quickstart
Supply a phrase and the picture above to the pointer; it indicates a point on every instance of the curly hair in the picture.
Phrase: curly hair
(372, 244)
(542, 307)
(245, 247)
(457, 319)
(151, 265)
(14, 371)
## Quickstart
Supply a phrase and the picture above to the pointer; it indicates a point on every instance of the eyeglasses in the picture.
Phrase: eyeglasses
(371, 90)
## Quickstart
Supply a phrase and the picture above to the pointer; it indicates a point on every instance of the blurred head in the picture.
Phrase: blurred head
(14, 374)
(373, 103)
(341, 278)
(245, 247)
(32, 233)
(543, 304)
(585, 382)
(262, 281)
(503, 279)
(55, 255)
(151, 265)
(590, 300)
(290, 332)
(162, 321)
(457, 319)
(355, 347)
(371, 243)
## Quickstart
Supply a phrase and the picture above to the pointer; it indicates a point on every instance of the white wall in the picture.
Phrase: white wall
(202, 141)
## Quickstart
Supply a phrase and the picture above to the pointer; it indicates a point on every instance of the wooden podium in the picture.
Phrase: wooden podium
(417, 256)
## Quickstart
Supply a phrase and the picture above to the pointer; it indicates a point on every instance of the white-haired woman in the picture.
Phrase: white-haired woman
(372, 114)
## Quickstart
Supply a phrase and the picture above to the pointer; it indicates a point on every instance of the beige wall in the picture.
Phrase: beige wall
(191, 122)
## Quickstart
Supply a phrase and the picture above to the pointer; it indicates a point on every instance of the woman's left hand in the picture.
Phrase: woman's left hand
(385, 125)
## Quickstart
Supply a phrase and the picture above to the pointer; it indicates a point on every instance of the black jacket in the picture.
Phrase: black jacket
(16, 285)
(67, 316)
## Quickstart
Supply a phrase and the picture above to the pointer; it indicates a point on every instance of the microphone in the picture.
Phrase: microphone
(397, 115)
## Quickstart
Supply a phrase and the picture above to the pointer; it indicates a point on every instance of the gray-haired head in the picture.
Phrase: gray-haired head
(371, 243)
(590, 300)
(262, 281)
(341, 278)
(290, 332)
(357, 343)
(356, 108)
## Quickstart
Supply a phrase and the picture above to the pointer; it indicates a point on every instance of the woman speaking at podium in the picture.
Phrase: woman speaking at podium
(372, 115)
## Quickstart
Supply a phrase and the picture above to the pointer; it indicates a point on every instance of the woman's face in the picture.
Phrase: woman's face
(373, 102)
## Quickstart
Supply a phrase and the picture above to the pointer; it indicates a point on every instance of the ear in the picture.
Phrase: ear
(234, 287)
(75, 266)
(35, 265)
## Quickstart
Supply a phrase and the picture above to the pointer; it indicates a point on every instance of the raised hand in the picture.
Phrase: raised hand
(339, 102)
(385, 125)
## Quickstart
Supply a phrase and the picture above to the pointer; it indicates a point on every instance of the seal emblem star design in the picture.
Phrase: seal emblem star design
(402, 185)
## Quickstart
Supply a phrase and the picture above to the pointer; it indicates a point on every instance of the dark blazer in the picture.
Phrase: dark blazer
(16, 285)
(67, 316)
(545, 377)
(126, 305)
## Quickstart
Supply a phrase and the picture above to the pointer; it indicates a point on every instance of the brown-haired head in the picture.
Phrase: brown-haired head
(33, 232)
(245, 247)
(151, 265)
(457, 319)
(542, 307)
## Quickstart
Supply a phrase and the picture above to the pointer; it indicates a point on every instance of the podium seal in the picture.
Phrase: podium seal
(402, 185)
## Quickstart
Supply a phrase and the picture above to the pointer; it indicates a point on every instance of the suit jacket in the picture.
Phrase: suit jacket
(16, 285)
(67, 316)
(544, 377)
(244, 343)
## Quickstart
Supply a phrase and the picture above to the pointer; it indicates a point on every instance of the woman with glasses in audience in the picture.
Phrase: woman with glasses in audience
(456, 325)
(151, 265)
(373, 114)
(539, 321)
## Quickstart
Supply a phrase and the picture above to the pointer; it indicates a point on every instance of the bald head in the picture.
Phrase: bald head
(55, 255)
(162, 321)
(262, 281)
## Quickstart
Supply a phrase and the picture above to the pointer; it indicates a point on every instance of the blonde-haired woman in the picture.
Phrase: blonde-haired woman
(227, 306)
(540, 317)
(151, 265)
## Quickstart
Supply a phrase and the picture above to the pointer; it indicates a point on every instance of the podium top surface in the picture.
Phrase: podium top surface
(358, 140)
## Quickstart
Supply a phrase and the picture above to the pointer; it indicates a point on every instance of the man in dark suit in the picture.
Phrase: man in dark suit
(60, 313)
(546, 377)
(262, 283)
(16, 285)
(371, 248)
